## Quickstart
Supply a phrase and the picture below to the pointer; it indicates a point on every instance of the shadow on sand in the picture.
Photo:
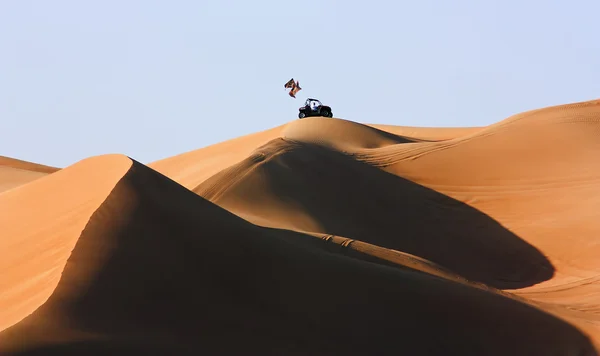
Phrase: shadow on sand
(358, 201)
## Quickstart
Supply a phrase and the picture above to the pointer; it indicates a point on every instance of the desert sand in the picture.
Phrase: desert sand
(319, 236)
(16, 172)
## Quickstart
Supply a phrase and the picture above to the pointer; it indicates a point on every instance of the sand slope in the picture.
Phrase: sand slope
(15, 172)
(40, 223)
(321, 236)
(191, 168)
(428, 133)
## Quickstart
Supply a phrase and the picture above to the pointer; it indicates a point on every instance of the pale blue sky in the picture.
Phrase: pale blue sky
(153, 79)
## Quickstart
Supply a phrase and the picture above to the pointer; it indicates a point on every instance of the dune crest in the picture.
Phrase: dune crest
(40, 223)
(16, 172)
(191, 168)
(339, 134)
(427, 133)
(25, 165)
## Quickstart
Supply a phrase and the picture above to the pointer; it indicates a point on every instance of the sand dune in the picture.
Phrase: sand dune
(40, 223)
(15, 172)
(321, 236)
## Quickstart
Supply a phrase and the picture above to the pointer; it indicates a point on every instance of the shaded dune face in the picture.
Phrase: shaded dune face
(320, 190)
(158, 269)
(40, 223)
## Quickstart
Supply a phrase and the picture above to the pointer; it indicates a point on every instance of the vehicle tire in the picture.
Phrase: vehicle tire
(302, 115)
(325, 113)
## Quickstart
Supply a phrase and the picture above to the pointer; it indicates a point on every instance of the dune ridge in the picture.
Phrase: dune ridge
(15, 172)
(40, 223)
(320, 236)
(25, 165)
(210, 160)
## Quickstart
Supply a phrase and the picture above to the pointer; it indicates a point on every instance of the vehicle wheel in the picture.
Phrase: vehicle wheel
(325, 113)
(302, 115)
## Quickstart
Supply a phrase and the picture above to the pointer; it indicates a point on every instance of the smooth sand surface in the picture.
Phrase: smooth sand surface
(191, 168)
(320, 236)
(15, 172)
